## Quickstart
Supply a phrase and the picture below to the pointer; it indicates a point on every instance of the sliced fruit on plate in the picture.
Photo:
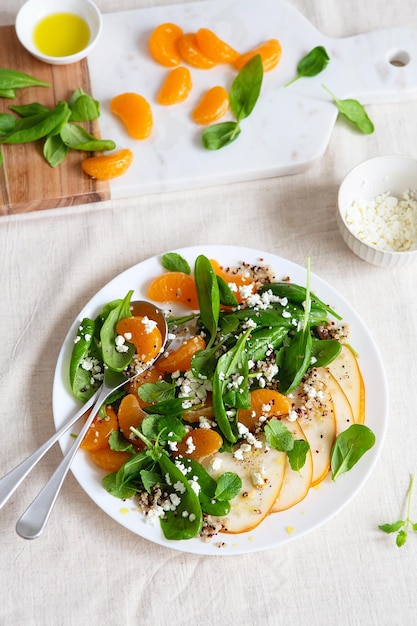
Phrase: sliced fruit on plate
(262, 472)
(345, 369)
(296, 484)
(343, 413)
(317, 421)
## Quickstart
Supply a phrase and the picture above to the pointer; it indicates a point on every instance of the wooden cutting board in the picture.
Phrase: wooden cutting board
(27, 183)
(287, 133)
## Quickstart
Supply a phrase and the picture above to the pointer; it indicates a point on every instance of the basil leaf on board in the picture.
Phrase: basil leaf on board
(7, 123)
(12, 79)
(354, 112)
(77, 138)
(55, 150)
(312, 64)
(36, 126)
(246, 87)
(174, 262)
(220, 135)
(349, 447)
(7, 93)
(26, 110)
(83, 107)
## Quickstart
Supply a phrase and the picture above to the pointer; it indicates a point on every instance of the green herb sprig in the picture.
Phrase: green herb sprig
(243, 95)
(402, 527)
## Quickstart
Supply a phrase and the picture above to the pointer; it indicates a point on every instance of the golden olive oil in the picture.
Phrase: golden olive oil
(61, 34)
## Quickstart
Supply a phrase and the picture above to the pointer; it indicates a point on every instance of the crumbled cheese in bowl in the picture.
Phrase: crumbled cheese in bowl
(386, 222)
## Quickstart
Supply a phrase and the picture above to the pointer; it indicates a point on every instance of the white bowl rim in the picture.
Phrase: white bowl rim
(84, 8)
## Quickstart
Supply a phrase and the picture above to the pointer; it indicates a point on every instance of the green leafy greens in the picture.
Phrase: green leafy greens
(312, 64)
(243, 96)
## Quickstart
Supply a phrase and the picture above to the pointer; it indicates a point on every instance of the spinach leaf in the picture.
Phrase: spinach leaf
(246, 87)
(112, 357)
(208, 296)
(80, 377)
(77, 138)
(12, 79)
(230, 387)
(227, 297)
(220, 135)
(354, 112)
(243, 95)
(324, 351)
(54, 150)
(83, 107)
(174, 262)
(312, 64)
(349, 447)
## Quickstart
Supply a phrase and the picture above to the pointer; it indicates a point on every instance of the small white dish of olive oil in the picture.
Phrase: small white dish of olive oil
(58, 35)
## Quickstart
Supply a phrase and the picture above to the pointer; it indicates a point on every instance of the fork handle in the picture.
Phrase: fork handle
(11, 481)
(31, 524)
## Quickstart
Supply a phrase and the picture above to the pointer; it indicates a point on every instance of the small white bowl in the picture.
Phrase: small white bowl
(34, 10)
(392, 173)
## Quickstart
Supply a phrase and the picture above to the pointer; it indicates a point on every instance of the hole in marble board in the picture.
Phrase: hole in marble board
(399, 58)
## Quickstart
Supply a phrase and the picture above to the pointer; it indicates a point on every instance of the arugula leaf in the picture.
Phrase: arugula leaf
(349, 447)
(174, 262)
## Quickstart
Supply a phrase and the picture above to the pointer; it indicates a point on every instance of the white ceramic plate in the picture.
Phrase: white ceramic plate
(320, 504)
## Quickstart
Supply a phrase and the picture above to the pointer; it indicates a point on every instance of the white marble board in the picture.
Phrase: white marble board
(290, 127)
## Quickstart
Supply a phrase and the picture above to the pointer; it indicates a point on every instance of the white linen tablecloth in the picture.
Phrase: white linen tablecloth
(86, 569)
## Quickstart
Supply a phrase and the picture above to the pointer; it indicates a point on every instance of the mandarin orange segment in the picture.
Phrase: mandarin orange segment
(163, 44)
(135, 112)
(150, 375)
(236, 281)
(108, 166)
(191, 53)
(270, 52)
(199, 444)
(129, 414)
(176, 86)
(174, 287)
(264, 404)
(109, 460)
(143, 333)
(98, 434)
(215, 48)
(212, 106)
(180, 359)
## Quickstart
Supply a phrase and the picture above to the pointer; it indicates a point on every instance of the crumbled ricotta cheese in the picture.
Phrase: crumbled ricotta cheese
(386, 222)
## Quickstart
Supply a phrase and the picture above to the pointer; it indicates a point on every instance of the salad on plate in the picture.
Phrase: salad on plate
(257, 398)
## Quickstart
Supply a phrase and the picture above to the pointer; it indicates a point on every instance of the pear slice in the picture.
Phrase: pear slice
(296, 484)
(313, 402)
(262, 472)
(345, 369)
(343, 413)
